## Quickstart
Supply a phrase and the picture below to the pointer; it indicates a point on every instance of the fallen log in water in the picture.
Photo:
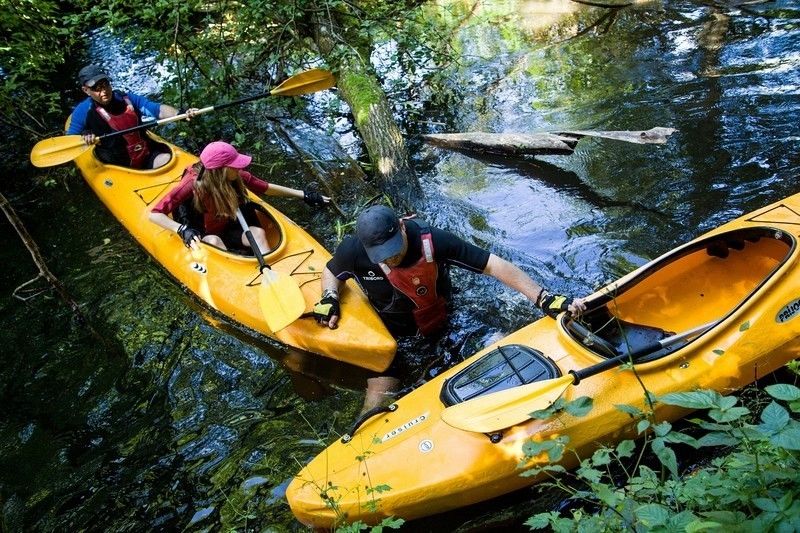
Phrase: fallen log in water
(558, 143)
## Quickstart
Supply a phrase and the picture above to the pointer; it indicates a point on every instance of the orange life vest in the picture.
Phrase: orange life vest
(418, 283)
(136, 143)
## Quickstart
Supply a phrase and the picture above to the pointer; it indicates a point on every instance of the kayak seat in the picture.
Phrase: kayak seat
(502, 368)
(625, 336)
(270, 227)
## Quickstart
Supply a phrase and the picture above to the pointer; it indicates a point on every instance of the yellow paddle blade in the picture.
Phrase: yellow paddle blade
(58, 150)
(310, 81)
(281, 299)
(506, 408)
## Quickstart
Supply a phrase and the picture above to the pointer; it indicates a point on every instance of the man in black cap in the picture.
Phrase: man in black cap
(106, 111)
(402, 266)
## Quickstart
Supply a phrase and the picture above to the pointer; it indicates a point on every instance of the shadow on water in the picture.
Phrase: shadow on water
(565, 181)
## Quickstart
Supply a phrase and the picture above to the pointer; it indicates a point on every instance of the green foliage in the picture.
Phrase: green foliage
(39, 36)
(756, 487)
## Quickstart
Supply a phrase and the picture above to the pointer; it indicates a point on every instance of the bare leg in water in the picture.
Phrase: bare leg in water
(380, 391)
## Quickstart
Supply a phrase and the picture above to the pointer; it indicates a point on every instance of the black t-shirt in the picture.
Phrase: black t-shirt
(351, 261)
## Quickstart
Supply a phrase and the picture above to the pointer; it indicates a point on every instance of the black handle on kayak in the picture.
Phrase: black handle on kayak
(584, 373)
(347, 437)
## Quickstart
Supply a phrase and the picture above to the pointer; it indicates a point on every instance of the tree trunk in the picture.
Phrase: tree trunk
(555, 143)
(373, 118)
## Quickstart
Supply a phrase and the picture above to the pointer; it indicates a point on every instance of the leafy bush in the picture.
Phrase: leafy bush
(756, 487)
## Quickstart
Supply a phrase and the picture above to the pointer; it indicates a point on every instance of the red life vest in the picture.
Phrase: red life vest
(136, 143)
(418, 283)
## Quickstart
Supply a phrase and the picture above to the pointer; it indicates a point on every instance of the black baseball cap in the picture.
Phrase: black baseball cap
(91, 74)
(378, 229)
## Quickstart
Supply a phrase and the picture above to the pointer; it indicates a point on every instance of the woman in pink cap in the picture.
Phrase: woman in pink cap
(203, 205)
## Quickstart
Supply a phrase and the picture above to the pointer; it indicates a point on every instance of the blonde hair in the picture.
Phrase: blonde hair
(214, 191)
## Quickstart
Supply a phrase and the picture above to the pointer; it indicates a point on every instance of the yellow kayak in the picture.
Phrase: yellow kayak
(229, 282)
(716, 313)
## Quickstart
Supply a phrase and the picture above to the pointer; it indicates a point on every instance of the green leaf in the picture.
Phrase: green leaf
(666, 456)
(702, 525)
(702, 399)
(788, 439)
(718, 351)
(783, 391)
(717, 438)
(626, 448)
(745, 326)
(392, 522)
(541, 520)
(629, 409)
(601, 457)
(681, 438)
(652, 515)
(580, 406)
(728, 415)
(642, 426)
(662, 428)
(767, 504)
(774, 417)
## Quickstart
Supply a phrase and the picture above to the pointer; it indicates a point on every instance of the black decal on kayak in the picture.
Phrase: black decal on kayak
(197, 267)
(408, 425)
(789, 311)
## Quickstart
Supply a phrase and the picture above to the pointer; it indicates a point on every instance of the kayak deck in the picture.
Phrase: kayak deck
(741, 278)
(229, 281)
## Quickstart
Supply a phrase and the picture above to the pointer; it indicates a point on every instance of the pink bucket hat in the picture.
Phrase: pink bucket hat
(221, 154)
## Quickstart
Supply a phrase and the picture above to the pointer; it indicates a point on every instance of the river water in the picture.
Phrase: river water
(165, 418)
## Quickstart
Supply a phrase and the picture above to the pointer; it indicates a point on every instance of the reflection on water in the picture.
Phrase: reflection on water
(181, 421)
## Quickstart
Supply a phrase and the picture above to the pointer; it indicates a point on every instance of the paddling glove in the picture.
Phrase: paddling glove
(327, 307)
(553, 304)
(188, 234)
(313, 198)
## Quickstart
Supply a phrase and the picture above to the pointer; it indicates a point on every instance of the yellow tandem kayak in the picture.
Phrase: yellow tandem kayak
(229, 282)
(716, 313)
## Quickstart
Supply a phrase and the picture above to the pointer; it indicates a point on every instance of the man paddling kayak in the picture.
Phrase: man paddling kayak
(106, 111)
(402, 265)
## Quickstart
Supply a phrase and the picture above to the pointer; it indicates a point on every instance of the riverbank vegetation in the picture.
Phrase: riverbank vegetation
(751, 485)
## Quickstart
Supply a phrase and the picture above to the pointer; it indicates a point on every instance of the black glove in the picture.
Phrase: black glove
(326, 308)
(553, 304)
(188, 234)
(313, 198)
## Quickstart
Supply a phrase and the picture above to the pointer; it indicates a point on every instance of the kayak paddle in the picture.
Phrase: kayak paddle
(58, 150)
(509, 407)
(279, 296)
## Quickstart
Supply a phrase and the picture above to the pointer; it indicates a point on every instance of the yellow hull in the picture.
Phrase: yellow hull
(742, 276)
(228, 282)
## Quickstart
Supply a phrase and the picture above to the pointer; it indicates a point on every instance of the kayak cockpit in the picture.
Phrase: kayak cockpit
(504, 367)
(702, 282)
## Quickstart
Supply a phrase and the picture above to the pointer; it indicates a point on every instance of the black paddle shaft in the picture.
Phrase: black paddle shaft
(252, 240)
(152, 123)
(602, 366)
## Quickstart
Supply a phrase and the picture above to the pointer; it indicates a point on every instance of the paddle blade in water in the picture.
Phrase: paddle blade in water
(306, 82)
(281, 299)
(506, 408)
(58, 150)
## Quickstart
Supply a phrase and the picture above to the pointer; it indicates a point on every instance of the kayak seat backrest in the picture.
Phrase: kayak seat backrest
(502, 368)
(628, 337)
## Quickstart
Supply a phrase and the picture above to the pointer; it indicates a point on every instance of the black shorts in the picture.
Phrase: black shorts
(233, 234)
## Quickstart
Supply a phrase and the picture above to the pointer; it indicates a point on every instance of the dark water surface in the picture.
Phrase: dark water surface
(167, 419)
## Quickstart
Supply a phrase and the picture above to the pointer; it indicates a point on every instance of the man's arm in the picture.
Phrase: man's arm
(511, 276)
(327, 310)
